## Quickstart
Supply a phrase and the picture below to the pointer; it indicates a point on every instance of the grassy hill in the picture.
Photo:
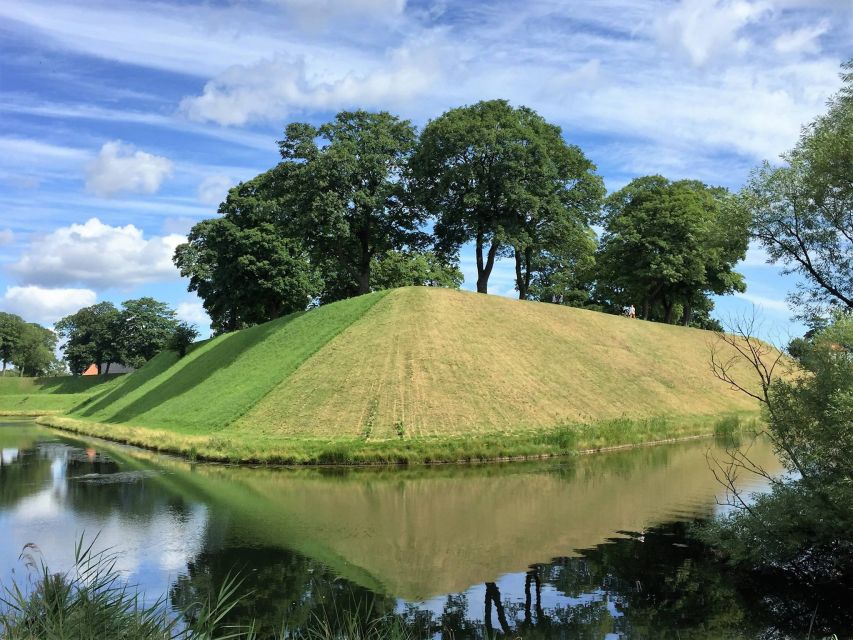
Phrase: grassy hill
(415, 374)
(36, 396)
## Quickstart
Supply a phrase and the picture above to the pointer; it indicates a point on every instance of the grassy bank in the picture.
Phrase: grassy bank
(38, 396)
(556, 441)
(417, 375)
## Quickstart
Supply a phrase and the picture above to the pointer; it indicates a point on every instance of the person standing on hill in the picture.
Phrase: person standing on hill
(632, 312)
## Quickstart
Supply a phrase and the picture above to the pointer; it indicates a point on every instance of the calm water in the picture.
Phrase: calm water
(592, 547)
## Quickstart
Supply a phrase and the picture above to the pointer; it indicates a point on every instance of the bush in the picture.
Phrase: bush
(182, 338)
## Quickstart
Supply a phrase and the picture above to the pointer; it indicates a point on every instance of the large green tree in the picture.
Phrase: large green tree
(345, 187)
(33, 355)
(505, 179)
(91, 335)
(11, 328)
(145, 326)
(803, 210)
(246, 275)
(667, 245)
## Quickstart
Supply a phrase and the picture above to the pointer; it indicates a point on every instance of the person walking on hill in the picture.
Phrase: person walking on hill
(632, 312)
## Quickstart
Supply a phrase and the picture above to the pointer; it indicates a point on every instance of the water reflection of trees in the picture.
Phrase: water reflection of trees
(285, 589)
(21, 475)
(657, 585)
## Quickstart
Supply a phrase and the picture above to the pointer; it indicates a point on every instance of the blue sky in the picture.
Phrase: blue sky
(124, 123)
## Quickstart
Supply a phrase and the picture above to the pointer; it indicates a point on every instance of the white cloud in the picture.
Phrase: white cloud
(194, 313)
(98, 255)
(274, 88)
(804, 40)
(45, 305)
(7, 236)
(705, 28)
(120, 167)
(213, 189)
(765, 303)
(757, 256)
(321, 12)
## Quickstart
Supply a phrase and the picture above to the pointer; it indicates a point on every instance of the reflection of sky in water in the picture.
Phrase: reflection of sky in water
(159, 529)
(153, 549)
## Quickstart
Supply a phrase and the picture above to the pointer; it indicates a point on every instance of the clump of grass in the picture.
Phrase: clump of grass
(371, 419)
(92, 601)
(727, 427)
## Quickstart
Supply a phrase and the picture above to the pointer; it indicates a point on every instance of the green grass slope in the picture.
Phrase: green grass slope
(34, 396)
(221, 379)
(419, 374)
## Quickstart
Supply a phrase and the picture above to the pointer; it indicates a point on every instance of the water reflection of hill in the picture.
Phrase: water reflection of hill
(429, 531)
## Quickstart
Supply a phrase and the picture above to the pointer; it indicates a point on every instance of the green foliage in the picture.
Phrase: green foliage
(33, 352)
(802, 527)
(182, 338)
(11, 328)
(246, 275)
(102, 334)
(26, 345)
(668, 244)
(145, 326)
(346, 195)
(91, 336)
(314, 227)
(92, 601)
(505, 179)
(803, 211)
(395, 269)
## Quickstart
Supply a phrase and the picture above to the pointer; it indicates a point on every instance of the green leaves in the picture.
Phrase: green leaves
(101, 334)
(803, 210)
(246, 275)
(668, 244)
(504, 178)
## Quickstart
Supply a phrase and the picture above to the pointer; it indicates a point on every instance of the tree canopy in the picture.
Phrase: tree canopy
(246, 275)
(101, 334)
(145, 326)
(11, 328)
(668, 244)
(91, 336)
(803, 210)
(346, 191)
(505, 179)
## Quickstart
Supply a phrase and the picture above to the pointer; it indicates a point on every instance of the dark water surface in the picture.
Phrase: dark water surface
(588, 547)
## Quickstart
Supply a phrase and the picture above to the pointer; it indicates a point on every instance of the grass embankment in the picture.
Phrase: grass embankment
(38, 396)
(418, 375)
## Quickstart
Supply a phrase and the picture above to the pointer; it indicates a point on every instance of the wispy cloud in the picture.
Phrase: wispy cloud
(766, 303)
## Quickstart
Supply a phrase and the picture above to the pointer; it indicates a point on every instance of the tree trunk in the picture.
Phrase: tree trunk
(522, 272)
(108, 368)
(646, 307)
(688, 315)
(98, 366)
(484, 269)
(519, 277)
(493, 594)
(668, 307)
